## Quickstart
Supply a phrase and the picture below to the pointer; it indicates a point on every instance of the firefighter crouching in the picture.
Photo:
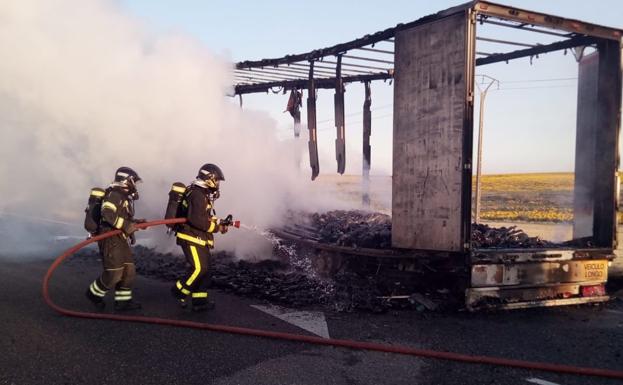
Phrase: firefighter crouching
(117, 212)
(196, 235)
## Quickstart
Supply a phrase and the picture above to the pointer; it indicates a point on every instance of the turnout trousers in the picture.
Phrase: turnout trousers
(119, 270)
(195, 283)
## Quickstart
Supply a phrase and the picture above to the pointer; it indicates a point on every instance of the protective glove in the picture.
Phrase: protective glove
(139, 220)
(222, 229)
(132, 239)
(130, 228)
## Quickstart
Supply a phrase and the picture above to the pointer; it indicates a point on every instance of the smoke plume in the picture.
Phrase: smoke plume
(85, 89)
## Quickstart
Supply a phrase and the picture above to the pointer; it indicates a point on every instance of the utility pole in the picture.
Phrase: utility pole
(489, 81)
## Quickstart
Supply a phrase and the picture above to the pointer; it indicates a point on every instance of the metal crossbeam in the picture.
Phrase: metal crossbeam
(570, 43)
(505, 42)
(369, 59)
(266, 73)
(266, 77)
(303, 83)
(523, 27)
(317, 65)
(358, 65)
(376, 50)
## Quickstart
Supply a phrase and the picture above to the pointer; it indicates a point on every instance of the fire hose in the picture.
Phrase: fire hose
(351, 344)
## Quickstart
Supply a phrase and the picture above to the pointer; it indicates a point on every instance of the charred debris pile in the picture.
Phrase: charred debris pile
(274, 281)
(291, 280)
(374, 230)
(353, 228)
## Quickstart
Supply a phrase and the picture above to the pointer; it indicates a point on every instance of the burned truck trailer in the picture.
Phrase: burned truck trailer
(432, 63)
(432, 156)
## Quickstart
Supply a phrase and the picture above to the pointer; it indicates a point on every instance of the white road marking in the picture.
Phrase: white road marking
(312, 321)
(614, 311)
(539, 381)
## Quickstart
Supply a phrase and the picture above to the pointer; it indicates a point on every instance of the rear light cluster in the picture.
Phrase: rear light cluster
(593, 291)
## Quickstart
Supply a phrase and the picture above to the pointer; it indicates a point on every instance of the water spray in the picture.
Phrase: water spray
(302, 263)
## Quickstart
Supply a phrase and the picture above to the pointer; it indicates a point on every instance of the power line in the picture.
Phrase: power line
(358, 121)
(531, 88)
(357, 113)
(538, 80)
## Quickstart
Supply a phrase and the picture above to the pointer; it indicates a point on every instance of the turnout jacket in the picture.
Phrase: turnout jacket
(200, 221)
(117, 210)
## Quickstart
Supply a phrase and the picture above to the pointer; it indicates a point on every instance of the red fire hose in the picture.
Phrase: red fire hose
(567, 369)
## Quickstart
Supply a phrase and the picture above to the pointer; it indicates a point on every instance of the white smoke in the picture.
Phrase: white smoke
(85, 89)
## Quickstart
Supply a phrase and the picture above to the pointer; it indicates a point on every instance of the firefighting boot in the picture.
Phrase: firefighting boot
(201, 303)
(123, 299)
(179, 296)
(97, 301)
(127, 305)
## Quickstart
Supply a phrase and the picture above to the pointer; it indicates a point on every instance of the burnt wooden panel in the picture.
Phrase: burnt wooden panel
(429, 120)
(367, 148)
(606, 142)
(586, 122)
(312, 144)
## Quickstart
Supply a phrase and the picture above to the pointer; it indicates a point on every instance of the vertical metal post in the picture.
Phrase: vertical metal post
(311, 123)
(340, 141)
(468, 136)
(483, 95)
(240, 98)
(367, 149)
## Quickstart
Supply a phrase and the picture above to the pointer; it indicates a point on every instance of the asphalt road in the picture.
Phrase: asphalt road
(39, 346)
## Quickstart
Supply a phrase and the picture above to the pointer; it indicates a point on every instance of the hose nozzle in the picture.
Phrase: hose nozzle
(229, 221)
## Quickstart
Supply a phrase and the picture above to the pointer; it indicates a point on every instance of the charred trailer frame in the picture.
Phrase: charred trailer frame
(435, 63)
(433, 71)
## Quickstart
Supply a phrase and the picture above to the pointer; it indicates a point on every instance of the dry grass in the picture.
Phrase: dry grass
(528, 182)
(543, 197)
(546, 215)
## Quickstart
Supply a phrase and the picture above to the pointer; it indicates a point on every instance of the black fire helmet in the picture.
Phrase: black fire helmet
(211, 174)
(128, 177)
(124, 174)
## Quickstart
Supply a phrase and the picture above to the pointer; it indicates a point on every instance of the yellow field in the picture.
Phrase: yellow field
(550, 215)
(546, 197)
(527, 182)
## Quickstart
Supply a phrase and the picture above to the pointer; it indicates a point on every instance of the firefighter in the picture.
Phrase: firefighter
(117, 212)
(196, 236)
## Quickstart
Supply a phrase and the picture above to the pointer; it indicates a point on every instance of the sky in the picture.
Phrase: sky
(529, 119)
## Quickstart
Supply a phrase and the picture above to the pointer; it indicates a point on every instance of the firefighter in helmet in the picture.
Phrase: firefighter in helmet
(117, 213)
(196, 236)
